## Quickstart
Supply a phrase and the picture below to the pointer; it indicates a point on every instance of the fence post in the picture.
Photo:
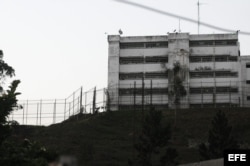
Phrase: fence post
(94, 101)
(27, 112)
(37, 110)
(41, 112)
(86, 102)
(73, 103)
(54, 115)
(81, 108)
(134, 96)
(103, 100)
(151, 94)
(230, 105)
(201, 95)
(23, 112)
(65, 104)
(78, 104)
(142, 97)
(69, 108)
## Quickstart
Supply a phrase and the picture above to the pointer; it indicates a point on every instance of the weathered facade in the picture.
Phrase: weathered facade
(177, 70)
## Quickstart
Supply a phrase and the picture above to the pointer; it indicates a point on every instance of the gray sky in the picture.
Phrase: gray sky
(56, 46)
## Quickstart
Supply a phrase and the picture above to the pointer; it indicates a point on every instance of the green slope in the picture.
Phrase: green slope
(107, 138)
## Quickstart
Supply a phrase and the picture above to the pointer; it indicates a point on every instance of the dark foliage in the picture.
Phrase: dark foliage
(26, 153)
(220, 138)
(153, 144)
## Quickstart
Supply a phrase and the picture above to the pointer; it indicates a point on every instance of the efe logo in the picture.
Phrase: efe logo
(237, 157)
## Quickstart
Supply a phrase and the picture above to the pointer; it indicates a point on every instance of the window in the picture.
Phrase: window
(129, 76)
(156, 75)
(248, 82)
(233, 58)
(213, 43)
(144, 45)
(131, 60)
(226, 74)
(248, 65)
(248, 97)
(218, 58)
(147, 91)
(201, 74)
(195, 59)
(156, 59)
(207, 59)
(131, 45)
(156, 44)
(210, 90)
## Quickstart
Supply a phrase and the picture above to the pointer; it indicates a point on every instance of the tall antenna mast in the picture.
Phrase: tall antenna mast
(198, 22)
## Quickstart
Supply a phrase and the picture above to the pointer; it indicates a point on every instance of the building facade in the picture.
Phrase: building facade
(178, 70)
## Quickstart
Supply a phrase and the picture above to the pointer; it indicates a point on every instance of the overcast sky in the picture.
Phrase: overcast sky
(56, 46)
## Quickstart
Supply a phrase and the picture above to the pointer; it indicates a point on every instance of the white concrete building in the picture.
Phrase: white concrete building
(212, 71)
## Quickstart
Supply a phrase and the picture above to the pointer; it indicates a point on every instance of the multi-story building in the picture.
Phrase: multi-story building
(177, 70)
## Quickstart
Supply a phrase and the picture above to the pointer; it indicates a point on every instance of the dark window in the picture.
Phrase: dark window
(248, 81)
(156, 75)
(147, 91)
(129, 76)
(213, 43)
(226, 74)
(131, 45)
(144, 45)
(201, 74)
(128, 60)
(156, 45)
(156, 59)
(248, 97)
(201, 43)
(201, 90)
(207, 59)
(233, 58)
(248, 65)
(209, 90)
(220, 58)
(195, 59)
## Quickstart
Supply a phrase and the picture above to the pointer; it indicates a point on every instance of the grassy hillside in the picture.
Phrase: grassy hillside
(107, 138)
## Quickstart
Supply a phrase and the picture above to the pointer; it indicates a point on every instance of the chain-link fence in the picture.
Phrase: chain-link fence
(50, 111)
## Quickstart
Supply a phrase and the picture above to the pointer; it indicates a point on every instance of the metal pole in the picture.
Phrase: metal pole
(65, 105)
(37, 110)
(142, 97)
(201, 95)
(81, 109)
(151, 93)
(69, 109)
(230, 95)
(85, 102)
(103, 99)
(41, 112)
(27, 112)
(78, 104)
(54, 115)
(23, 112)
(73, 103)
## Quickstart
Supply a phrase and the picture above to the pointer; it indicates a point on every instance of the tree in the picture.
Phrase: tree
(7, 99)
(177, 90)
(219, 138)
(153, 144)
(11, 153)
